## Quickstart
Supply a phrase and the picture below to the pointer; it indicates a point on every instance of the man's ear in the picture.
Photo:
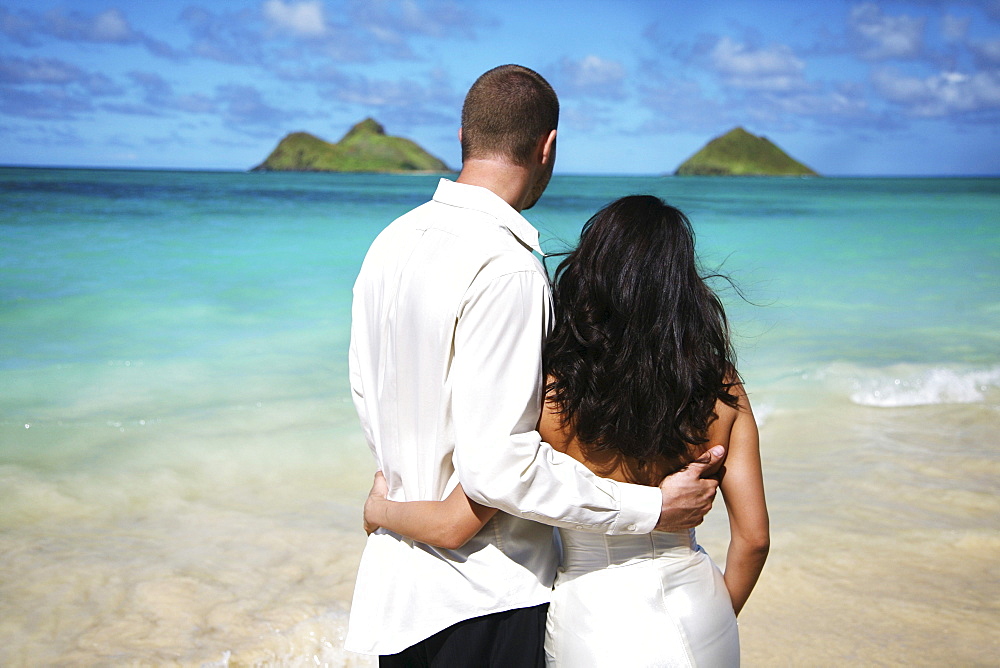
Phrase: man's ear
(548, 148)
(460, 135)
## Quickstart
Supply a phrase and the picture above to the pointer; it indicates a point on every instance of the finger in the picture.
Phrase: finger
(709, 462)
(711, 456)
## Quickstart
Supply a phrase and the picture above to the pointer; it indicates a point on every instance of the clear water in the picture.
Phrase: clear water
(181, 470)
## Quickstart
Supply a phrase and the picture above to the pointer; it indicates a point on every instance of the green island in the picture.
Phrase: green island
(365, 148)
(739, 153)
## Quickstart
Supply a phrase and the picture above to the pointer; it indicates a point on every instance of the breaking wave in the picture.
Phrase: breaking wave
(896, 387)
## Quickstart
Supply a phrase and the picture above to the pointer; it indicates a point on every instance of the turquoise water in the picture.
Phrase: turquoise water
(180, 467)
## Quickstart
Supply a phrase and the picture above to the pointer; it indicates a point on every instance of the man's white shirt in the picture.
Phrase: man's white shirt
(450, 313)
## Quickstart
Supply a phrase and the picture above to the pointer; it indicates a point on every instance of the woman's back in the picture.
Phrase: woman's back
(609, 463)
(640, 382)
(638, 600)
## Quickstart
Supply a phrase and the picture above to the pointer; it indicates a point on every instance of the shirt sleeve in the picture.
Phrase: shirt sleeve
(357, 388)
(497, 391)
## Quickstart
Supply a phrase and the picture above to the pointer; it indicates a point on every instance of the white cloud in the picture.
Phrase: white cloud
(585, 117)
(37, 70)
(107, 27)
(196, 103)
(50, 71)
(899, 88)
(590, 76)
(301, 18)
(987, 52)
(244, 105)
(110, 26)
(680, 104)
(880, 36)
(376, 93)
(774, 68)
(831, 104)
(940, 94)
(394, 21)
(595, 71)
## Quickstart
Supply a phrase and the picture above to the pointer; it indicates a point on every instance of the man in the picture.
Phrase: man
(450, 312)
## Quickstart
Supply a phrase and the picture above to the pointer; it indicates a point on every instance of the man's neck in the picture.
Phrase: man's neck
(511, 183)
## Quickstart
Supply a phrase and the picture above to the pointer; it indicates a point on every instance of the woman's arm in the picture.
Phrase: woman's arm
(448, 524)
(743, 490)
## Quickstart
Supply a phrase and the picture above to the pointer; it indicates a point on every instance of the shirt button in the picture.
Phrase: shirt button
(631, 527)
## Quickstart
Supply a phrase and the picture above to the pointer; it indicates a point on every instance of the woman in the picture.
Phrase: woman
(640, 382)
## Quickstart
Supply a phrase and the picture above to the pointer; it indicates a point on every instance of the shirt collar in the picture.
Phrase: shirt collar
(485, 200)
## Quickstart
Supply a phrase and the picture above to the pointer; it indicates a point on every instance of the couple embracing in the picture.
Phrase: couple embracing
(498, 408)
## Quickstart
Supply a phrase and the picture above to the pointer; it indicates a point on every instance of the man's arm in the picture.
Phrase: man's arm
(451, 523)
(357, 386)
(500, 459)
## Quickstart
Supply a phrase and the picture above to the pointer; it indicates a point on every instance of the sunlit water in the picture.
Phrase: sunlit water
(181, 470)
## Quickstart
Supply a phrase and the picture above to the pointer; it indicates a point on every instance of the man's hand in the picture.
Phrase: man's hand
(688, 494)
(380, 488)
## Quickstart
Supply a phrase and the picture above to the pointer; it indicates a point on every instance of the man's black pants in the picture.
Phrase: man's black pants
(510, 639)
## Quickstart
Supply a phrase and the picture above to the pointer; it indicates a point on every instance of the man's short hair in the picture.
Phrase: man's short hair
(505, 113)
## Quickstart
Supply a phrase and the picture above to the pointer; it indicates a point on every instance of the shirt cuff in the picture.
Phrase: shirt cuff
(639, 510)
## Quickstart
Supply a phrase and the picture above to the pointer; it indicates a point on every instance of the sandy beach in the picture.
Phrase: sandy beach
(867, 567)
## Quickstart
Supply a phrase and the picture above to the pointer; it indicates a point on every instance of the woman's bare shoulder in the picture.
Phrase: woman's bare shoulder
(720, 430)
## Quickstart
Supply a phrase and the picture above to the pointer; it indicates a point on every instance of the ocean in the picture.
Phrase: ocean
(181, 468)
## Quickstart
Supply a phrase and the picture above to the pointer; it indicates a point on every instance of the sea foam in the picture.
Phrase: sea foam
(898, 386)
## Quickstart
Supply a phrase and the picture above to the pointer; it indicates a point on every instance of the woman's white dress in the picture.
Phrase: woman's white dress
(648, 600)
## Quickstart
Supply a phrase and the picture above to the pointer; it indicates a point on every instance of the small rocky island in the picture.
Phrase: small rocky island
(365, 148)
(739, 153)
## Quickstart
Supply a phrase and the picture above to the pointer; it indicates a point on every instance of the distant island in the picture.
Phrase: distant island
(739, 153)
(365, 148)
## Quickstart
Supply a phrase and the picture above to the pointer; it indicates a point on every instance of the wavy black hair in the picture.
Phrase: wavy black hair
(640, 350)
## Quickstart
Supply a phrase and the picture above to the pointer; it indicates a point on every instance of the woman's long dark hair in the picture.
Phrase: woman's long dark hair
(640, 351)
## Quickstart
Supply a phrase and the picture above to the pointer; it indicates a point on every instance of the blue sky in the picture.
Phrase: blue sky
(850, 88)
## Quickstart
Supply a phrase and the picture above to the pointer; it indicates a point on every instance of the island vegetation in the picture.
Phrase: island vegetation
(365, 148)
(740, 153)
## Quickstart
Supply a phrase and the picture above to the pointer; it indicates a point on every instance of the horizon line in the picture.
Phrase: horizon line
(232, 170)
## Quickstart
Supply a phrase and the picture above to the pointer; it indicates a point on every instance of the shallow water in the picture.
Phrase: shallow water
(181, 470)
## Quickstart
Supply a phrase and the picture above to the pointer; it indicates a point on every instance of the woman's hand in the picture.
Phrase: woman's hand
(378, 493)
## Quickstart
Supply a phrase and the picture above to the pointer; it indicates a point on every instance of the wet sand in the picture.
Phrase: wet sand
(884, 552)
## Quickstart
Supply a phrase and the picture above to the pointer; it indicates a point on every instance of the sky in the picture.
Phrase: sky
(909, 87)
